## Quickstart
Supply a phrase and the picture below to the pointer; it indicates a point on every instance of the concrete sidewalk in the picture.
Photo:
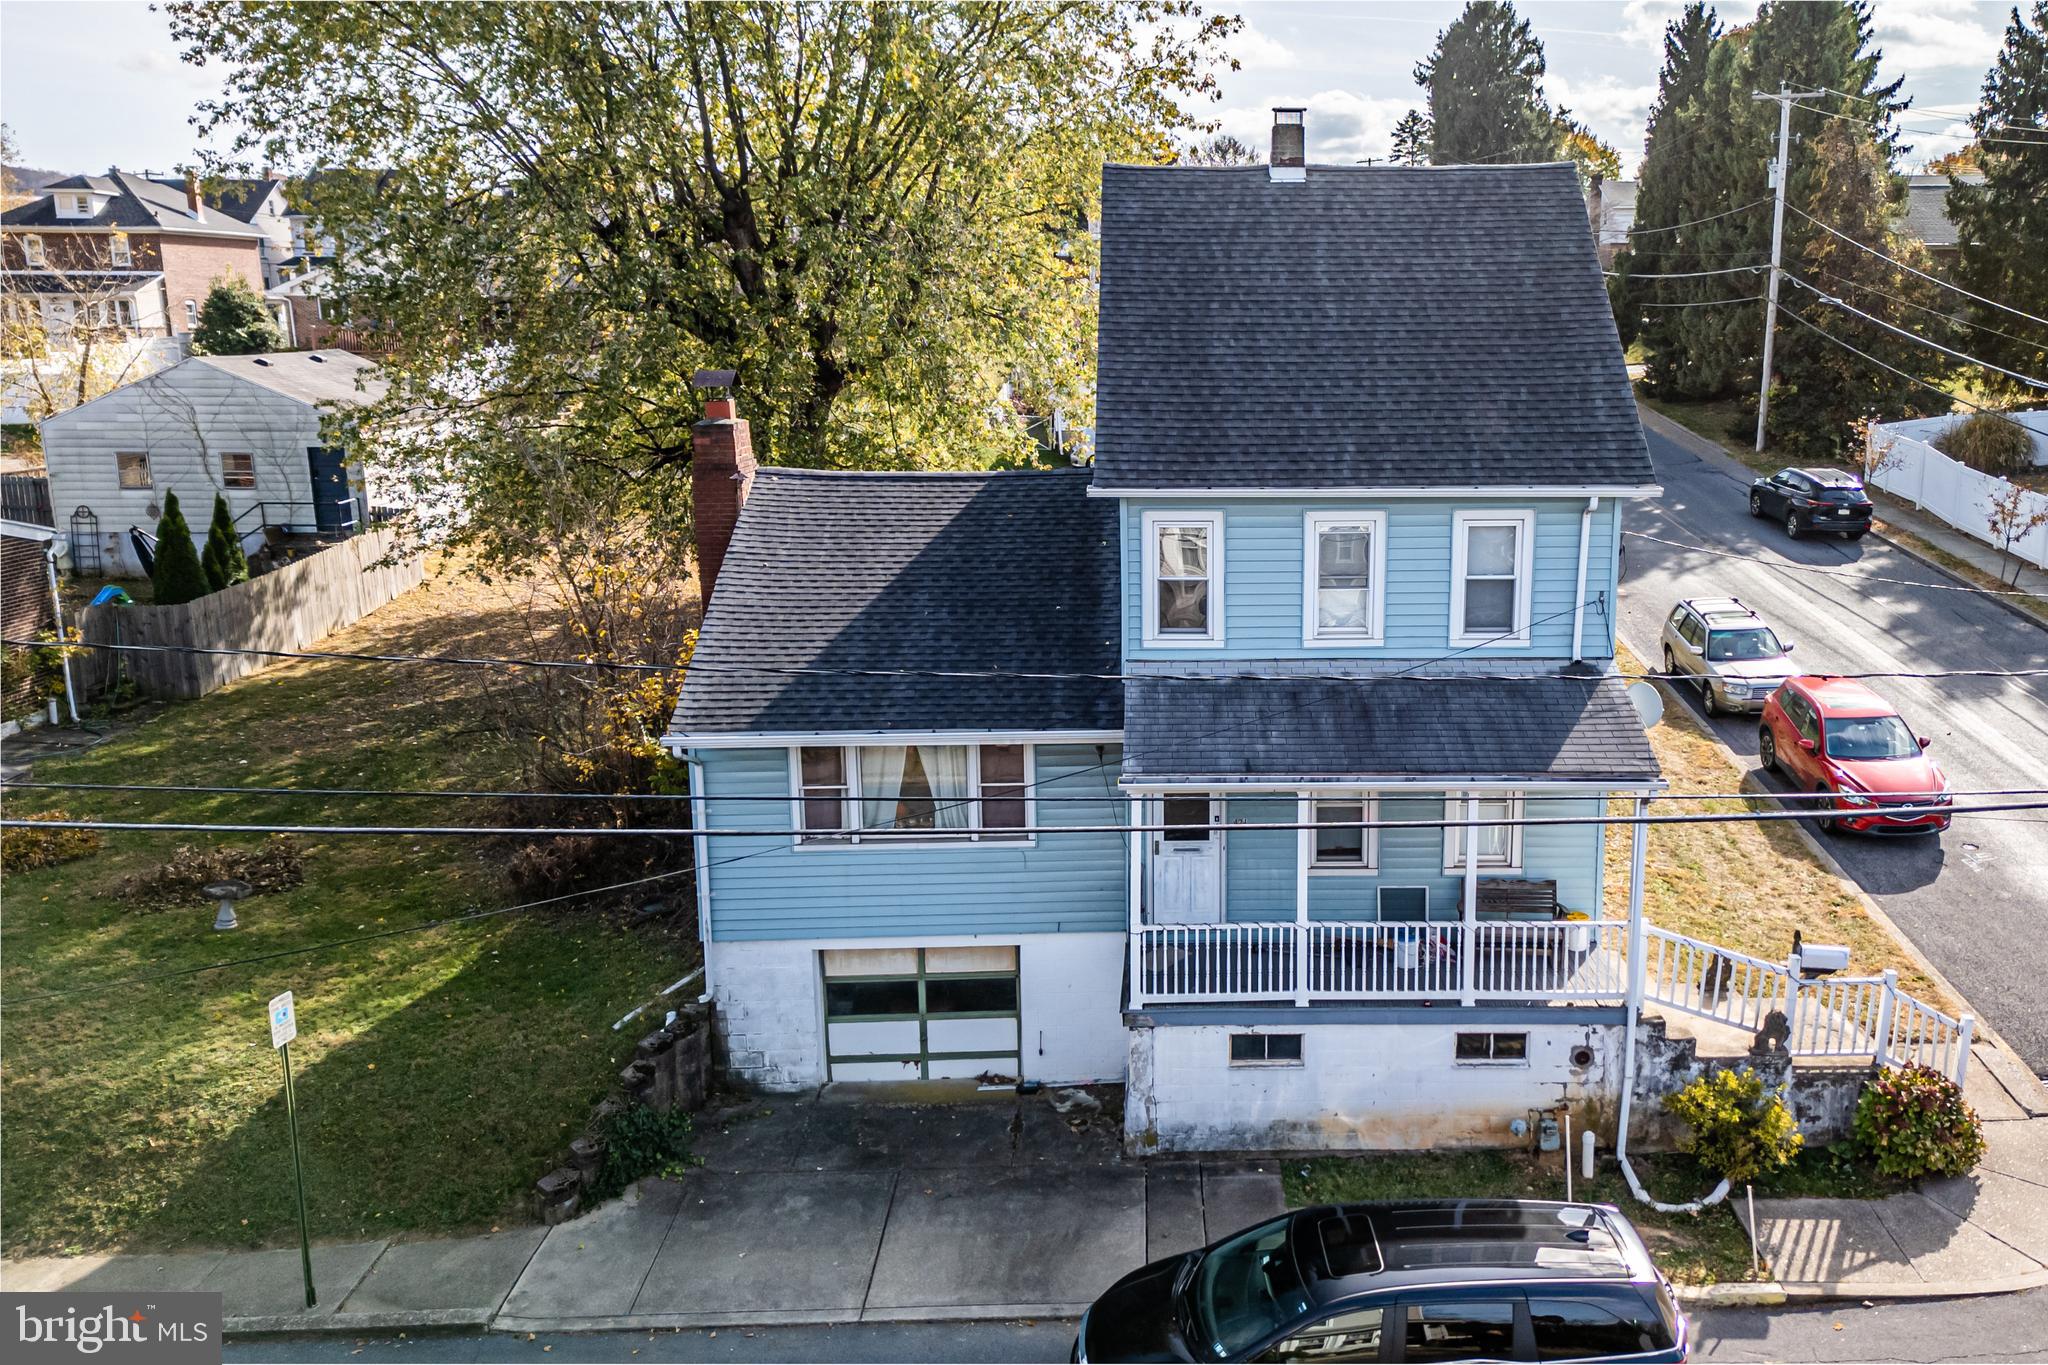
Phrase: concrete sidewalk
(805, 1212)
(1892, 515)
(1983, 1233)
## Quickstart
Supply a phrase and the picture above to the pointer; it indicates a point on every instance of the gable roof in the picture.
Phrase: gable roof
(1007, 571)
(133, 201)
(1367, 327)
(309, 376)
(1549, 728)
(1926, 213)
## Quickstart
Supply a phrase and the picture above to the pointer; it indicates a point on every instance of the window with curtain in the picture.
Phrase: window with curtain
(922, 791)
(1490, 560)
(1499, 844)
(1340, 842)
(1183, 578)
(1343, 557)
(118, 251)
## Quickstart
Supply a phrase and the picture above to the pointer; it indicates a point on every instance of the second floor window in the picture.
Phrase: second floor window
(912, 791)
(133, 468)
(118, 251)
(191, 312)
(237, 469)
(1490, 572)
(1345, 558)
(1183, 579)
(32, 250)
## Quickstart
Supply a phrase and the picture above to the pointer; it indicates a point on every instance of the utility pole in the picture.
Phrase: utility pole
(1783, 99)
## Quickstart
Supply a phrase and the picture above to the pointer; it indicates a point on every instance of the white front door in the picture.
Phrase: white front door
(1187, 862)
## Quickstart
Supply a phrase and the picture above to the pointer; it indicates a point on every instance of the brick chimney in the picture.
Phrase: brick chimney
(721, 473)
(1289, 157)
(192, 200)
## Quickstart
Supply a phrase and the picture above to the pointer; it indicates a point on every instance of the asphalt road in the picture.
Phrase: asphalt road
(1974, 900)
(2009, 1328)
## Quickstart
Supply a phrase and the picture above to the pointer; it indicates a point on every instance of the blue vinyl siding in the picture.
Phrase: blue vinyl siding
(1064, 883)
(1259, 864)
(1263, 568)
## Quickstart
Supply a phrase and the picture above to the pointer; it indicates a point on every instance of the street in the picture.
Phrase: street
(2012, 1327)
(1972, 899)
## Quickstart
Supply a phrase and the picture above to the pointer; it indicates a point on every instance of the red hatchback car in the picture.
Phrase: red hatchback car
(1836, 735)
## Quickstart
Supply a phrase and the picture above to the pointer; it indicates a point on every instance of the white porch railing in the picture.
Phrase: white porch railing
(1548, 961)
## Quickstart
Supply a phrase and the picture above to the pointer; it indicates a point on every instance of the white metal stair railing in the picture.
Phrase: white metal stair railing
(1840, 1016)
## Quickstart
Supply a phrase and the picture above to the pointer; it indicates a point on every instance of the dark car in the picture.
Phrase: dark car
(1805, 500)
(1435, 1280)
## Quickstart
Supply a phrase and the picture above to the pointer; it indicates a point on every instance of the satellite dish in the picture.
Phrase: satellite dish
(1648, 701)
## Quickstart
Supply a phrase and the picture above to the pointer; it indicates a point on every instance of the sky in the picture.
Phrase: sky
(88, 84)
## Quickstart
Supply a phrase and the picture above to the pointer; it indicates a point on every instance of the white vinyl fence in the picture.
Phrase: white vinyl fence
(1904, 464)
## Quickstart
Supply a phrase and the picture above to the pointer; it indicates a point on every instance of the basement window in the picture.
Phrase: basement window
(1493, 1047)
(1265, 1049)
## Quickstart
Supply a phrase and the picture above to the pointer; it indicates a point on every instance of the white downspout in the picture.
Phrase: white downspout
(1135, 897)
(1579, 597)
(1468, 950)
(1637, 964)
(57, 612)
(700, 847)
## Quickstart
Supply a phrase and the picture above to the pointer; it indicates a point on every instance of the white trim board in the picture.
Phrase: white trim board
(1522, 491)
(783, 739)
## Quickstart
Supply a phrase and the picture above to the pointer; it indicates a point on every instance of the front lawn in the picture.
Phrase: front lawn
(437, 1071)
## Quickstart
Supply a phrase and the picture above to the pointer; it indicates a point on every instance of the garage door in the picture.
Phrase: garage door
(894, 1014)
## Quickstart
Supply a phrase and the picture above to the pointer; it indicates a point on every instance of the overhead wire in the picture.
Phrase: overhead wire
(1951, 318)
(1934, 279)
(1794, 314)
(1837, 302)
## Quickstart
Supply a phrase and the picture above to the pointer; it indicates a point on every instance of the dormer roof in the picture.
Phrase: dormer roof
(1364, 328)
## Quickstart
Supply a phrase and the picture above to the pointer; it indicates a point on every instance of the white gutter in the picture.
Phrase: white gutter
(1579, 597)
(1649, 490)
(1637, 963)
(1224, 786)
(700, 852)
(677, 741)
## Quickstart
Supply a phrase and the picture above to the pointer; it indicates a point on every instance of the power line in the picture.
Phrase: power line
(1968, 136)
(1960, 112)
(1836, 302)
(1823, 569)
(1931, 388)
(1695, 222)
(1951, 318)
(1933, 279)
(1687, 274)
(1706, 303)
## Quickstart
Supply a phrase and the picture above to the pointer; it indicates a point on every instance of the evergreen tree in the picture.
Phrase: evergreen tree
(1411, 140)
(2002, 224)
(222, 559)
(235, 321)
(1671, 190)
(1821, 388)
(178, 576)
(1485, 84)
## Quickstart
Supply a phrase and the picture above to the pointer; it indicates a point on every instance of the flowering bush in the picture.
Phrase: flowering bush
(1740, 1128)
(1913, 1121)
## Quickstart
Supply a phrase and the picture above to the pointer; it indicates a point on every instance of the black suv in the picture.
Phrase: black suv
(1426, 1280)
(1813, 500)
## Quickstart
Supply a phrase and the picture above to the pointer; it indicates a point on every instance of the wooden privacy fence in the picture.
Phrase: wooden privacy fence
(288, 609)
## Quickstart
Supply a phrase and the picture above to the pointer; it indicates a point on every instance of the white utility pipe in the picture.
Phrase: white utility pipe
(1579, 598)
(700, 873)
(1638, 848)
(1586, 1159)
(57, 612)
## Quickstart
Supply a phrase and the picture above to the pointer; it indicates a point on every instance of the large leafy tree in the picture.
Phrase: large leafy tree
(1485, 84)
(872, 212)
(2003, 222)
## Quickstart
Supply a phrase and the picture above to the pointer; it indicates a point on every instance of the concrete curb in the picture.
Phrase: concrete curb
(1821, 1291)
(1732, 1294)
(294, 1324)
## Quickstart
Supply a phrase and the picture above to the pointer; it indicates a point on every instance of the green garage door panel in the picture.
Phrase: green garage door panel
(1063, 883)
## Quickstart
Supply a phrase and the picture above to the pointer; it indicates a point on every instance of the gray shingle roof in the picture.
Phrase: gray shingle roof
(1925, 215)
(134, 202)
(1559, 729)
(309, 376)
(1367, 327)
(1011, 571)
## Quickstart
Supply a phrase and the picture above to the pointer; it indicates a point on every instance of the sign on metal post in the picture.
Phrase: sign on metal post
(284, 1026)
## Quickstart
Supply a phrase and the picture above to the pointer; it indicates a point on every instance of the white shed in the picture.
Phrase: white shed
(246, 427)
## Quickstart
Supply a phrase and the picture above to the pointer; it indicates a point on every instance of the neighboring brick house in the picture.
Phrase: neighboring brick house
(123, 251)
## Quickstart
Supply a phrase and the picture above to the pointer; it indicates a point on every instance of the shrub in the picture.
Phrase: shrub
(639, 1141)
(1740, 1128)
(276, 866)
(178, 576)
(1913, 1121)
(23, 849)
(1990, 443)
(222, 559)
(234, 320)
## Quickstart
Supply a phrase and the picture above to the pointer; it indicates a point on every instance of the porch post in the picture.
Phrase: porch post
(1468, 988)
(1136, 897)
(1304, 853)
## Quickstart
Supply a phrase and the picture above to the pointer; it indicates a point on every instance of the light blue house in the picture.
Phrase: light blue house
(1261, 765)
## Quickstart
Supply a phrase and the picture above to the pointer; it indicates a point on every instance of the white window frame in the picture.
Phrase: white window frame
(1371, 803)
(1462, 525)
(851, 835)
(148, 472)
(191, 312)
(120, 251)
(1454, 831)
(1313, 524)
(1151, 523)
(225, 455)
(32, 250)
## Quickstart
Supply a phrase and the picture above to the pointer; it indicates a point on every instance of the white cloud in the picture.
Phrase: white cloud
(1258, 50)
(1343, 127)
(1927, 35)
(1614, 109)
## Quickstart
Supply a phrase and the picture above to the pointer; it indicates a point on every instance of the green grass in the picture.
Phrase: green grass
(438, 1072)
